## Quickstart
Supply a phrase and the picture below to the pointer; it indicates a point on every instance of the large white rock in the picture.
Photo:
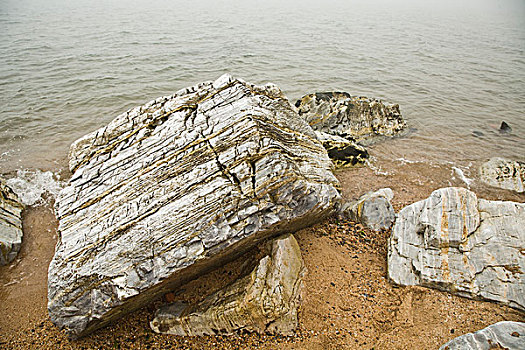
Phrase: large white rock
(503, 173)
(454, 242)
(10, 224)
(502, 335)
(173, 188)
(264, 301)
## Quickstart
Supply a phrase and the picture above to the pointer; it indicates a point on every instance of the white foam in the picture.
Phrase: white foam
(407, 161)
(462, 176)
(376, 169)
(31, 185)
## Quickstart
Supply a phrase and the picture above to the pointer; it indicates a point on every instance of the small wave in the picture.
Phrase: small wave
(376, 169)
(32, 186)
(408, 161)
(462, 176)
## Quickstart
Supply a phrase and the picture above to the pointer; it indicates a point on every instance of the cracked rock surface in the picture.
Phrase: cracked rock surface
(265, 300)
(454, 242)
(372, 209)
(353, 118)
(10, 224)
(503, 173)
(502, 335)
(171, 189)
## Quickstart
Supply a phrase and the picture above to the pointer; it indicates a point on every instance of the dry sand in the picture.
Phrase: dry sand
(348, 302)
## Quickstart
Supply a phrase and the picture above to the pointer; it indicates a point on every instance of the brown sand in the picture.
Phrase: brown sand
(348, 302)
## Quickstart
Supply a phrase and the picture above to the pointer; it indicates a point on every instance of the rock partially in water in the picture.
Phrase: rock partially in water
(502, 335)
(504, 127)
(264, 301)
(343, 153)
(350, 117)
(177, 187)
(10, 224)
(372, 210)
(454, 242)
(503, 173)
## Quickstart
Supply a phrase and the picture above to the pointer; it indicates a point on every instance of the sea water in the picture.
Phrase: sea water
(456, 68)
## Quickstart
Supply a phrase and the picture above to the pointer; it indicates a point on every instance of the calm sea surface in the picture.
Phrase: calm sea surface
(69, 67)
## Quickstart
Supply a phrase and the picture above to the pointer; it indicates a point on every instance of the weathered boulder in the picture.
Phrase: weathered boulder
(350, 117)
(10, 224)
(503, 173)
(454, 242)
(502, 335)
(372, 210)
(343, 153)
(265, 300)
(172, 189)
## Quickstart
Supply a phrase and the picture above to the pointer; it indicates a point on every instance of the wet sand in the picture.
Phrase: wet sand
(348, 302)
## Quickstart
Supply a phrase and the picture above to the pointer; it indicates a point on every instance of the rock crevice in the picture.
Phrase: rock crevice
(265, 301)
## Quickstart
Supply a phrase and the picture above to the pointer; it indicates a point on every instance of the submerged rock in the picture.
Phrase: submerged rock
(372, 210)
(174, 188)
(502, 335)
(343, 153)
(503, 173)
(350, 117)
(266, 300)
(10, 224)
(454, 242)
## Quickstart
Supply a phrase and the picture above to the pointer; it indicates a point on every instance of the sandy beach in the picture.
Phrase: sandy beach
(348, 301)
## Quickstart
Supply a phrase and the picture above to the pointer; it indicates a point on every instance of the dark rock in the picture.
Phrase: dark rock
(343, 153)
(504, 127)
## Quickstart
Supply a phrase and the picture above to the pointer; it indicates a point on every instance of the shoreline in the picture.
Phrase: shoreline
(348, 301)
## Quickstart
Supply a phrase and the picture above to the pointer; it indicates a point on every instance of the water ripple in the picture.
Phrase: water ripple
(454, 67)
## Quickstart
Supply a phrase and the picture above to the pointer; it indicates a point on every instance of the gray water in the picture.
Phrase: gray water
(69, 67)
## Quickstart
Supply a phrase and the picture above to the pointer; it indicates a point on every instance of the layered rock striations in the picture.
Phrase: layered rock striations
(173, 188)
(264, 301)
(502, 335)
(10, 224)
(353, 118)
(454, 242)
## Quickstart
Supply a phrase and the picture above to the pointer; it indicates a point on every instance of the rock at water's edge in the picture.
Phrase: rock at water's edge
(10, 224)
(372, 210)
(174, 188)
(454, 242)
(502, 335)
(264, 301)
(343, 153)
(353, 118)
(503, 173)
